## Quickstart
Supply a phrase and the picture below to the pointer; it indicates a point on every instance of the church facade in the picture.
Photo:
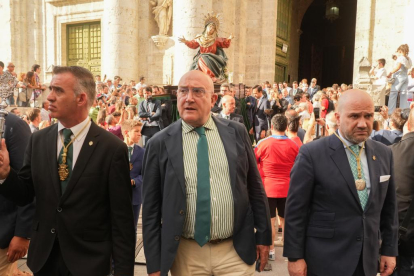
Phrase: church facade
(125, 37)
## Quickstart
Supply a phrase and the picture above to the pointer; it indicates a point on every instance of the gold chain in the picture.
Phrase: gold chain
(63, 170)
(358, 158)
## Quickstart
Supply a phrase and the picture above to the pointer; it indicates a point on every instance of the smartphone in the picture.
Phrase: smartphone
(377, 108)
(316, 112)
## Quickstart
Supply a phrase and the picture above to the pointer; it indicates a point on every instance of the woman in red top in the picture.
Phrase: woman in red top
(275, 156)
(324, 105)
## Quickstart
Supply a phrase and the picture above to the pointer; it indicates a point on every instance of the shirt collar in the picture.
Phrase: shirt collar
(362, 144)
(225, 115)
(75, 129)
(208, 125)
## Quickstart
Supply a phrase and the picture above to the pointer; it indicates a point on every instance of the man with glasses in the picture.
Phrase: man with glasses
(203, 197)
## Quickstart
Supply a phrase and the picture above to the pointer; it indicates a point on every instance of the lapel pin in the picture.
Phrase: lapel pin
(91, 143)
(374, 158)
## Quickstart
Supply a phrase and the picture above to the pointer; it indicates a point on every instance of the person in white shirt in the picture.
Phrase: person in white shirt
(44, 112)
(378, 72)
(141, 83)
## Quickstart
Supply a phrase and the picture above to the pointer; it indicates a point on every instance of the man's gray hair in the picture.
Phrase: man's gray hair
(85, 80)
(109, 119)
(330, 120)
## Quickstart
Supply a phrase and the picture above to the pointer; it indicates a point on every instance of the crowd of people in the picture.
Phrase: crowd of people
(214, 184)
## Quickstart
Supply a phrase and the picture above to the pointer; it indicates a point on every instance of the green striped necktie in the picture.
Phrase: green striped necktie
(203, 212)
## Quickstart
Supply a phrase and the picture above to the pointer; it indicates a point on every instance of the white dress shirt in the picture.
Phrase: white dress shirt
(363, 158)
(77, 144)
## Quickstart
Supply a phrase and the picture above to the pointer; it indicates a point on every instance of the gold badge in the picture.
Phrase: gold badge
(90, 143)
(374, 158)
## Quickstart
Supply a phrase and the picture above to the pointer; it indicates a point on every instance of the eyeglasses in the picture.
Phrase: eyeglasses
(197, 92)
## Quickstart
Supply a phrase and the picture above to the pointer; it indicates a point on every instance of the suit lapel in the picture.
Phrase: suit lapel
(228, 137)
(134, 154)
(373, 170)
(340, 159)
(174, 145)
(51, 151)
(83, 158)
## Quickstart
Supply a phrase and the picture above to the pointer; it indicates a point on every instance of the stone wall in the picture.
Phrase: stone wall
(381, 27)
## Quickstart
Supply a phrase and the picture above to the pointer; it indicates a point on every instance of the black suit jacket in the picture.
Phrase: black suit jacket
(404, 179)
(233, 117)
(324, 221)
(164, 194)
(259, 116)
(14, 220)
(145, 111)
(250, 108)
(93, 219)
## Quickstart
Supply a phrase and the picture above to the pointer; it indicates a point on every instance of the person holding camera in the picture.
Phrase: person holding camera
(404, 179)
(378, 72)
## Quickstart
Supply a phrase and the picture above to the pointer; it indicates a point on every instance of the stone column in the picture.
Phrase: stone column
(363, 33)
(120, 39)
(188, 21)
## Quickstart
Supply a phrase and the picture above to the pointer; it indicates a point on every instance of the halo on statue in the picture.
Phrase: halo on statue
(211, 17)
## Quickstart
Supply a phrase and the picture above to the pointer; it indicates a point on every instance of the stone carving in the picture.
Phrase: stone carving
(162, 15)
(211, 58)
(160, 41)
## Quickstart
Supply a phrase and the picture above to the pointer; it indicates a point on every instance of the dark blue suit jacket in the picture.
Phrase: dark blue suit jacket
(324, 221)
(250, 108)
(164, 195)
(387, 137)
(259, 117)
(14, 220)
(136, 174)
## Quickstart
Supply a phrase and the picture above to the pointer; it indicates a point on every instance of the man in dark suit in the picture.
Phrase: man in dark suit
(229, 105)
(250, 105)
(197, 208)
(404, 179)
(295, 89)
(150, 113)
(131, 129)
(16, 222)
(260, 122)
(313, 88)
(341, 200)
(83, 210)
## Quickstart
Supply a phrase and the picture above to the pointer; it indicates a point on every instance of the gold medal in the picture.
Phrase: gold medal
(63, 171)
(360, 184)
(130, 166)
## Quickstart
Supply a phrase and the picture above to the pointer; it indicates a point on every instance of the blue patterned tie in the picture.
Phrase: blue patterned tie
(203, 212)
(130, 152)
(363, 195)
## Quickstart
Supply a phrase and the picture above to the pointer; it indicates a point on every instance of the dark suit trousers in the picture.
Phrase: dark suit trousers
(359, 271)
(55, 265)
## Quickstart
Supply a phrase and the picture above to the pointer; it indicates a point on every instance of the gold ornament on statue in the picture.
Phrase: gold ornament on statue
(212, 18)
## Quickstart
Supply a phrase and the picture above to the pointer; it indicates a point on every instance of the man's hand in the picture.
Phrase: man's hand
(158, 273)
(4, 160)
(251, 131)
(298, 268)
(17, 249)
(384, 112)
(182, 39)
(262, 252)
(387, 265)
(263, 134)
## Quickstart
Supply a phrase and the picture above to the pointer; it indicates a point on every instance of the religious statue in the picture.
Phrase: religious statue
(211, 58)
(162, 14)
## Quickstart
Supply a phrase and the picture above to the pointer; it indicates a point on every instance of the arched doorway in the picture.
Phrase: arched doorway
(327, 48)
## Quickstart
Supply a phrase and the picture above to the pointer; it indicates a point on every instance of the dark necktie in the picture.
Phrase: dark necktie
(203, 212)
(66, 136)
(130, 152)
